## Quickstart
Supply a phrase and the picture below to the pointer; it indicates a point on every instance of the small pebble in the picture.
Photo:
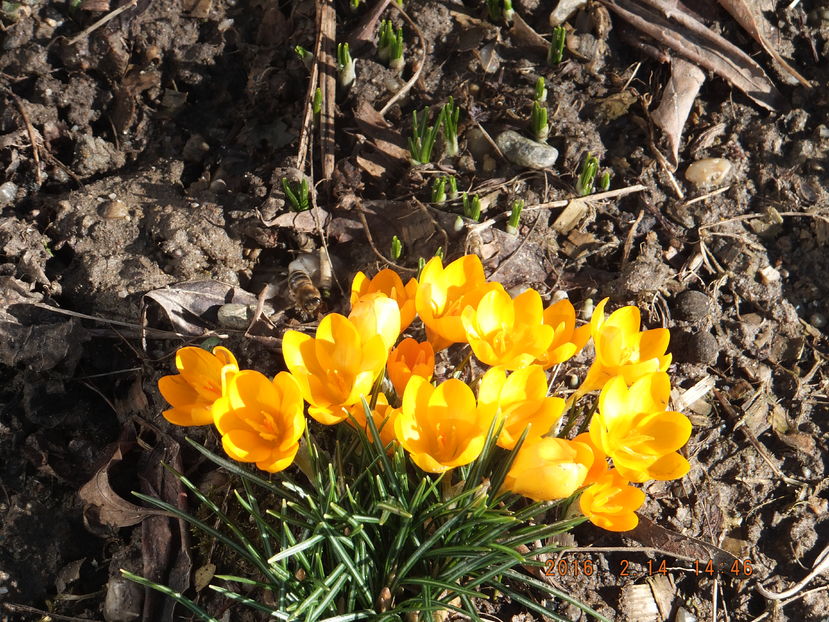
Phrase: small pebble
(522, 151)
(8, 193)
(818, 320)
(113, 209)
(235, 316)
(708, 172)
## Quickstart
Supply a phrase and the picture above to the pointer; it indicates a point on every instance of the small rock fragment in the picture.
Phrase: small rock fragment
(522, 151)
(113, 209)
(769, 275)
(708, 172)
(124, 600)
(8, 193)
(236, 316)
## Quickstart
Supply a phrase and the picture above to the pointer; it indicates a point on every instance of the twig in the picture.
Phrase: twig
(109, 16)
(707, 195)
(599, 196)
(31, 133)
(820, 566)
(46, 615)
(765, 615)
(629, 238)
(155, 332)
(327, 34)
(416, 73)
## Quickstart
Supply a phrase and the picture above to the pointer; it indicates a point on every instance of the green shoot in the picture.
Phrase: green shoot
(345, 65)
(451, 113)
(304, 55)
(396, 248)
(297, 195)
(472, 206)
(584, 184)
(421, 263)
(423, 136)
(439, 190)
(500, 10)
(515, 216)
(540, 90)
(386, 33)
(439, 252)
(604, 181)
(355, 4)
(556, 52)
(538, 122)
(390, 47)
(317, 104)
(452, 193)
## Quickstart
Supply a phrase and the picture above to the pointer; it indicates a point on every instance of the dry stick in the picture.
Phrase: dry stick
(765, 615)
(109, 16)
(46, 615)
(610, 194)
(307, 126)
(820, 566)
(416, 73)
(327, 34)
(154, 332)
(31, 132)
(629, 238)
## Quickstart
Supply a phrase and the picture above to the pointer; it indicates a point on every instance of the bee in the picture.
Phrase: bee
(303, 272)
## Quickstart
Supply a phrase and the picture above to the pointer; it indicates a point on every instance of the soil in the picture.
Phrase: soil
(149, 153)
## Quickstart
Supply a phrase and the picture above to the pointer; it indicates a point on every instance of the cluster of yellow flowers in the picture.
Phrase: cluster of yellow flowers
(445, 426)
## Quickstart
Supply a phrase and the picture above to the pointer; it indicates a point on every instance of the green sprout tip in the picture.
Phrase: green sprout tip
(396, 248)
(589, 168)
(604, 181)
(304, 55)
(538, 122)
(345, 65)
(423, 136)
(540, 90)
(556, 52)
(297, 195)
(317, 104)
(515, 216)
(439, 190)
(451, 113)
(472, 206)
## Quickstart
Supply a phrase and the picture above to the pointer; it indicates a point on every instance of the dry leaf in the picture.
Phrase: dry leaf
(750, 18)
(677, 99)
(670, 23)
(525, 35)
(192, 308)
(102, 504)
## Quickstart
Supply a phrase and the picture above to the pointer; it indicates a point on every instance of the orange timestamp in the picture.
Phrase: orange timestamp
(569, 567)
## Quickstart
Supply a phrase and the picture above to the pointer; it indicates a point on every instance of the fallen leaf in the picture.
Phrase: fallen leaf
(670, 23)
(750, 18)
(191, 308)
(525, 35)
(104, 506)
(677, 99)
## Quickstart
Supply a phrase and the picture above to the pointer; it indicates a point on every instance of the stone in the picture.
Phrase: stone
(525, 152)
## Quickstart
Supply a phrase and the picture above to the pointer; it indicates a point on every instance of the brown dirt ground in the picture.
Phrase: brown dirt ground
(161, 141)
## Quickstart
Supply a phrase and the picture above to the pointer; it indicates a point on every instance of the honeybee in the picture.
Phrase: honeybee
(303, 272)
